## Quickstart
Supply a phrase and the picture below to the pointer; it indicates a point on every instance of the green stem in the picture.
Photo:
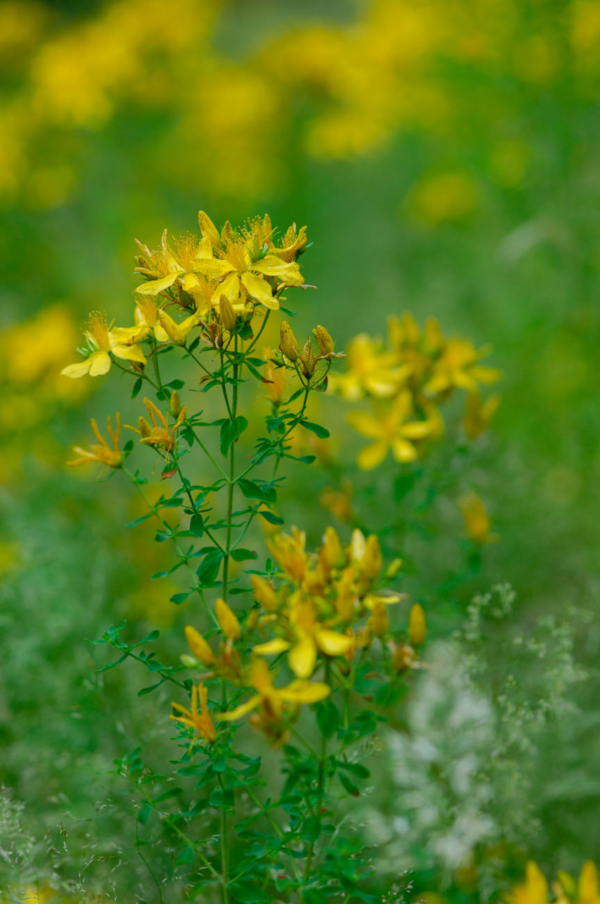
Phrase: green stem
(320, 788)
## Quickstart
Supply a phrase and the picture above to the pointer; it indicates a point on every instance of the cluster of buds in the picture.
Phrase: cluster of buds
(226, 664)
(306, 359)
(159, 434)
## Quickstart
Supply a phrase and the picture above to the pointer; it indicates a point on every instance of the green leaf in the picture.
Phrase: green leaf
(148, 690)
(328, 718)
(179, 598)
(144, 814)
(185, 855)
(136, 387)
(197, 525)
(348, 785)
(243, 555)
(321, 432)
(270, 517)
(208, 570)
(356, 769)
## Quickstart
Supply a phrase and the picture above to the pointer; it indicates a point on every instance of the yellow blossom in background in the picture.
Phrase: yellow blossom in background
(536, 890)
(441, 199)
(478, 525)
(103, 452)
(392, 431)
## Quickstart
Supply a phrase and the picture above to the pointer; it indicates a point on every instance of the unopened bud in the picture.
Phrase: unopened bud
(324, 340)
(190, 662)
(199, 646)
(175, 404)
(143, 427)
(228, 622)
(228, 316)
(332, 549)
(393, 569)
(417, 625)
(379, 621)
(263, 593)
(289, 344)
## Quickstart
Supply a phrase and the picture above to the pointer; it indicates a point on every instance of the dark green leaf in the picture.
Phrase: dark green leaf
(270, 517)
(321, 432)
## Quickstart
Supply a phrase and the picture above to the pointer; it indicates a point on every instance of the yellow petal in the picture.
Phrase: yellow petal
(305, 692)
(272, 647)
(537, 885)
(416, 429)
(99, 363)
(129, 353)
(302, 657)
(230, 288)
(259, 289)
(365, 424)
(273, 266)
(486, 374)
(333, 644)
(208, 228)
(588, 883)
(239, 711)
(213, 268)
(154, 286)
(227, 619)
(204, 250)
(372, 456)
(80, 369)
(403, 451)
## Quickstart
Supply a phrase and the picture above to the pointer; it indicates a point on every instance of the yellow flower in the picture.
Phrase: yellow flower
(477, 521)
(290, 553)
(102, 344)
(391, 431)
(159, 434)
(263, 593)
(478, 414)
(243, 270)
(534, 890)
(271, 700)
(102, 452)
(200, 721)
(458, 366)
(372, 371)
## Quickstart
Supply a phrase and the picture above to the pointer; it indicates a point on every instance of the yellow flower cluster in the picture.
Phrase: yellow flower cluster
(212, 279)
(535, 888)
(366, 80)
(323, 614)
(407, 381)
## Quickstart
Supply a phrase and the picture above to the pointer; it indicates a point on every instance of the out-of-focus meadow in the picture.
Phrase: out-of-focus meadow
(445, 157)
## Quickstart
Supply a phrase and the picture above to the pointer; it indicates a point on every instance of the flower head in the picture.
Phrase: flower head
(102, 343)
(197, 719)
(102, 452)
(392, 431)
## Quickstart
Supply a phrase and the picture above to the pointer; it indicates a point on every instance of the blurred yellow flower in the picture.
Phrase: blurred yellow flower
(392, 431)
(197, 719)
(443, 198)
(477, 521)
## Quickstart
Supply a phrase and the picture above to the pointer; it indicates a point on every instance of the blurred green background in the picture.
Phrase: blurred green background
(445, 158)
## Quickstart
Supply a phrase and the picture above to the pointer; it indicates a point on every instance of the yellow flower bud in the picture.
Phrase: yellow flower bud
(379, 621)
(143, 427)
(417, 625)
(199, 646)
(332, 550)
(289, 343)
(175, 404)
(228, 622)
(372, 559)
(190, 662)
(227, 314)
(263, 593)
(393, 569)
(324, 340)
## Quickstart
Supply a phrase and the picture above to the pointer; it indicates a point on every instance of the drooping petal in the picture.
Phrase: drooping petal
(333, 644)
(99, 364)
(80, 369)
(129, 353)
(302, 657)
(239, 711)
(305, 692)
(259, 289)
(288, 273)
(372, 456)
(154, 286)
(272, 647)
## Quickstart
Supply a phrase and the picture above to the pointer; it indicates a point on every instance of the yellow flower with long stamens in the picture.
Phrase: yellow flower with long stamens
(372, 371)
(197, 719)
(102, 344)
(103, 452)
(391, 431)
(177, 332)
(159, 434)
(243, 270)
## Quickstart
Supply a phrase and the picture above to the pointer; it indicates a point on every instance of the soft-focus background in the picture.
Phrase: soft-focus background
(445, 157)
